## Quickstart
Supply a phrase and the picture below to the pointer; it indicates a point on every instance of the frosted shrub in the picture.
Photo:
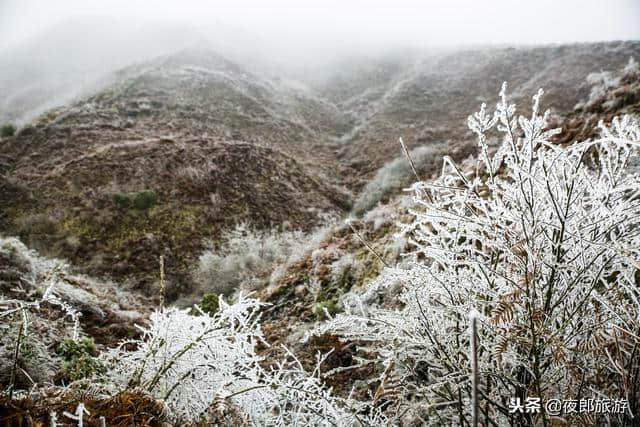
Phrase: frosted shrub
(397, 174)
(37, 298)
(201, 365)
(543, 248)
(309, 243)
(36, 269)
(631, 68)
(246, 259)
(611, 92)
(187, 360)
(34, 266)
(341, 266)
(601, 82)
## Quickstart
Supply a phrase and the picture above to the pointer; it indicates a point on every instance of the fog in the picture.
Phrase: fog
(68, 44)
(324, 27)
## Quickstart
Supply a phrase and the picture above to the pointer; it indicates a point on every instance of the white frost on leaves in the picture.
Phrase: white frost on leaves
(193, 361)
(39, 270)
(246, 260)
(543, 246)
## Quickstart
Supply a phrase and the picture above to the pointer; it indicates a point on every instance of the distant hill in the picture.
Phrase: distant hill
(426, 97)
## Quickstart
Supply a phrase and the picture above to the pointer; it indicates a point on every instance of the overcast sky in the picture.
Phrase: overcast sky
(331, 24)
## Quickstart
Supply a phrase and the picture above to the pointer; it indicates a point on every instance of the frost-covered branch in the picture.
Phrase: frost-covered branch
(199, 364)
(543, 246)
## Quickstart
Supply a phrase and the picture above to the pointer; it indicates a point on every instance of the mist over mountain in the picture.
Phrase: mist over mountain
(54, 53)
(218, 144)
(75, 58)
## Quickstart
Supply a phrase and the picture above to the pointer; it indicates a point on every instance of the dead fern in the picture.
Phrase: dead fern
(503, 312)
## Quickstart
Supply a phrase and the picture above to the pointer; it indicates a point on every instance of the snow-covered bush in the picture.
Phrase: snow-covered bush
(246, 259)
(202, 365)
(600, 83)
(631, 68)
(543, 248)
(397, 174)
(604, 84)
(23, 353)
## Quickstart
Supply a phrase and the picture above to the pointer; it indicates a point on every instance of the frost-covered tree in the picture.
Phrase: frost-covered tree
(541, 245)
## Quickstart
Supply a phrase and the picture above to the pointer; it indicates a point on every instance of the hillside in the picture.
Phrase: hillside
(207, 143)
(210, 145)
(425, 97)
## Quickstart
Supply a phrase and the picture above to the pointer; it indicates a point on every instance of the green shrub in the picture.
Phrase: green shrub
(70, 349)
(144, 200)
(321, 309)
(7, 130)
(210, 304)
(141, 200)
(122, 201)
(79, 359)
